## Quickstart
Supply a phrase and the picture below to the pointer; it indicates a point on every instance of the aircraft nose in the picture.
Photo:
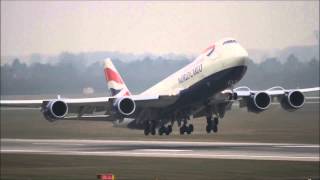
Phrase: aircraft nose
(241, 56)
(242, 60)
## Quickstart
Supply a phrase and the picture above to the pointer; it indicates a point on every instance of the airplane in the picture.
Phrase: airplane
(203, 88)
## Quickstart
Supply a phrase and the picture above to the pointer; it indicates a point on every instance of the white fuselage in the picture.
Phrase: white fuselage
(224, 56)
(217, 68)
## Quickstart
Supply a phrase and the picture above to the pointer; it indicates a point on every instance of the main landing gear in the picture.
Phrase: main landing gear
(212, 124)
(186, 129)
(150, 128)
(165, 130)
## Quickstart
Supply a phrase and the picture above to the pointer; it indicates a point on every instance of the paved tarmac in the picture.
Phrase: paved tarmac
(169, 149)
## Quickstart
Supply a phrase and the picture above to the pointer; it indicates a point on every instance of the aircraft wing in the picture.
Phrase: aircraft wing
(73, 104)
(274, 91)
(257, 100)
(21, 103)
(83, 106)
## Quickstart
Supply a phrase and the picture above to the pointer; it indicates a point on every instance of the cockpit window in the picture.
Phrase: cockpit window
(229, 41)
(211, 51)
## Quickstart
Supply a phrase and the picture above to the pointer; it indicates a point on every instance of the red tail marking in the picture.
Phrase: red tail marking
(112, 76)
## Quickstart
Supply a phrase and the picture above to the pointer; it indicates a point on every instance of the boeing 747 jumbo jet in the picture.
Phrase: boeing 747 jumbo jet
(203, 88)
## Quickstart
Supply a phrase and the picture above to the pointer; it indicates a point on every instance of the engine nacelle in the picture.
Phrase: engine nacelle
(124, 106)
(259, 102)
(292, 100)
(54, 110)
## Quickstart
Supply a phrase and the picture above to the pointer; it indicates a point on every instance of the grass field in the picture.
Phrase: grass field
(274, 125)
(40, 167)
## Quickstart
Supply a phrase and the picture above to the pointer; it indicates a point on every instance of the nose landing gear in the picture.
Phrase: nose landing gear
(212, 125)
(150, 128)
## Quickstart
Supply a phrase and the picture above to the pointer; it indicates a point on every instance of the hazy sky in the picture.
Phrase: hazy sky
(157, 27)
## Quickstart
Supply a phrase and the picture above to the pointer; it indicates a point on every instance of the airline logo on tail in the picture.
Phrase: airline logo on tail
(115, 83)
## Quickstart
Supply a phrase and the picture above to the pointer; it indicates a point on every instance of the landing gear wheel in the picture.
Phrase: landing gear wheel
(209, 121)
(215, 128)
(215, 124)
(168, 130)
(188, 131)
(208, 129)
(183, 129)
(147, 129)
(153, 129)
(191, 127)
(209, 125)
(161, 130)
(146, 132)
(212, 124)
(216, 121)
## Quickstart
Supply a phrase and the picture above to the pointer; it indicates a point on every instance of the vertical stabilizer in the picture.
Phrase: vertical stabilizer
(115, 83)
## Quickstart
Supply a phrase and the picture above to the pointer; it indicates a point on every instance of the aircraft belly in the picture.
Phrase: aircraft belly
(211, 85)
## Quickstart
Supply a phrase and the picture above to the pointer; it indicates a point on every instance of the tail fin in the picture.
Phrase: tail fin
(115, 83)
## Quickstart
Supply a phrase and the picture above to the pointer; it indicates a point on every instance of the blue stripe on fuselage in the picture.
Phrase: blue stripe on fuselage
(210, 85)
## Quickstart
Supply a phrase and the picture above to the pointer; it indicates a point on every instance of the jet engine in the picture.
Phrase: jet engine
(292, 100)
(125, 106)
(54, 110)
(259, 102)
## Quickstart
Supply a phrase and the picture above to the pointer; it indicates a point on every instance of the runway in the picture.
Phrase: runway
(168, 149)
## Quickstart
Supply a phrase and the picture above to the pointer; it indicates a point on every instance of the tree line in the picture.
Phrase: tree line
(71, 76)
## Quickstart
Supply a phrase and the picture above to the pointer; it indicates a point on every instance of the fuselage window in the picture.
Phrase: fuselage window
(229, 41)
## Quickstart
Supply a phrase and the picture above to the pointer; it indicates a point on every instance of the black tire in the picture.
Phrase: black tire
(182, 129)
(215, 128)
(189, 131)
(152, 129)
(146, 132)
(147, 129)
(153, 133)
(209, 121)
(216, 121)
(160, 131)
(169, 129)
(208, 129)
(191, 127)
